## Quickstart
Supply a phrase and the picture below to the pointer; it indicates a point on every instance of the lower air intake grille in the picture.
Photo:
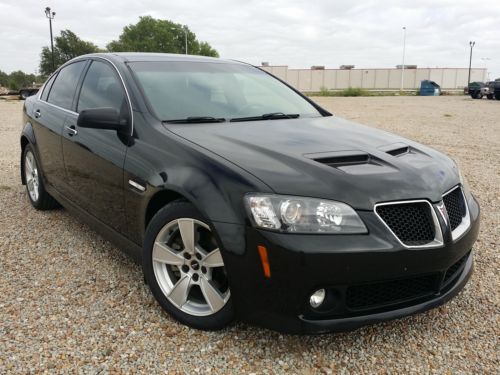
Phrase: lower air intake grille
(411, 222)
(360, 297)
(455, 206)
(451, 272)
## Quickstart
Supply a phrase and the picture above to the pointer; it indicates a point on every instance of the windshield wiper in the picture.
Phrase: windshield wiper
(195, 120)
(266, 116)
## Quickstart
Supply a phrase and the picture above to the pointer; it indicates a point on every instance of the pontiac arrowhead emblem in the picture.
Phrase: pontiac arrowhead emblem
(442, 210)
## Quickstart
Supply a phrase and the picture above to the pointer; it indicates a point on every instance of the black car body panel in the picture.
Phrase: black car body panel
(115, 180)
(289, 156)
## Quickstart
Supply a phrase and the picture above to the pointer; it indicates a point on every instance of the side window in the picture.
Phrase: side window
(102, 88)
(63, 89)
(46, 88)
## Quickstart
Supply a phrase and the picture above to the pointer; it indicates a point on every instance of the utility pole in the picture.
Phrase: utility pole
(471, 44)
(50, 15)
(403, 64)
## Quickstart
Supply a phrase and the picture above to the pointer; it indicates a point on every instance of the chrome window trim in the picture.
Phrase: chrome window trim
(438, 237)
(76, 113)
(465, 224)
(61, 108)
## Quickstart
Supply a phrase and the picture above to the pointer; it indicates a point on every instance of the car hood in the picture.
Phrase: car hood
(329, 158)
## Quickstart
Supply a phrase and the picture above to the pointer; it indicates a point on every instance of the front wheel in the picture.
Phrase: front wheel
(489, 96)
(184, 268)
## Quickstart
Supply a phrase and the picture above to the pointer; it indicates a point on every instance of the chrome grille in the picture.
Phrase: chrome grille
(455, 207)
(411, 222)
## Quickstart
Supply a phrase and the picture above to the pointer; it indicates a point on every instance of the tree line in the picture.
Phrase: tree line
(147, 35)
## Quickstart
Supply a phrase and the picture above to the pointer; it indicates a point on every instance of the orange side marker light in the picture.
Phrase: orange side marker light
(264, 260)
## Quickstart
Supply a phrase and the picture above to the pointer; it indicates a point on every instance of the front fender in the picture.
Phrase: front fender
(215, 187)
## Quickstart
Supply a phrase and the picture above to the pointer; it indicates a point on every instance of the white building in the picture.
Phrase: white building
(308, 80)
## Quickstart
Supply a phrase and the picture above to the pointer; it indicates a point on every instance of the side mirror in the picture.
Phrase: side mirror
(100, 118)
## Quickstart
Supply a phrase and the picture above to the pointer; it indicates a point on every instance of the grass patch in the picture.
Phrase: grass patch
(351, 91)
(356, 91)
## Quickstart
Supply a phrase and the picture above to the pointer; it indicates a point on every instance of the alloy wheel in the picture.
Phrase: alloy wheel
(188, 267)
(31, 174)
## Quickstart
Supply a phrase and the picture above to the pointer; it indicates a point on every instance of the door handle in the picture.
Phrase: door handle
(71, 130)
(38, 114)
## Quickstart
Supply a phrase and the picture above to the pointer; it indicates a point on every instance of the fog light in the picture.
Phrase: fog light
(317, 298)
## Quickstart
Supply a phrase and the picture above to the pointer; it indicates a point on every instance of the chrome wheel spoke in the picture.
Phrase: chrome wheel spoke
(180, 291)
(28, 166)
(186, 227)
(211, 294)
(164, 254)
(213, 259)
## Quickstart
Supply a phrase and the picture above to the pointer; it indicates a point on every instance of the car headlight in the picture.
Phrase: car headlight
(302, 215)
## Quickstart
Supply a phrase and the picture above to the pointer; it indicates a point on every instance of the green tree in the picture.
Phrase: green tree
(154, 35)
(19, 79)
(66, 47)
(4, 78)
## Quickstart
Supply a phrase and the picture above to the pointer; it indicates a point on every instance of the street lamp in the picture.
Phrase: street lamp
(471, 44)
(403, 64)
(50, 15)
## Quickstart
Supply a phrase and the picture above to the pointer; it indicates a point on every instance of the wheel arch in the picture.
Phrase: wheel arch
(27, 137)
(159, 200)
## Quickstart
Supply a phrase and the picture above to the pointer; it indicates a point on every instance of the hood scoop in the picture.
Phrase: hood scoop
(352, 162)
(416, 157)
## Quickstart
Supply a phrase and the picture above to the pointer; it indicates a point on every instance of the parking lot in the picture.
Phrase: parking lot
(70, 301)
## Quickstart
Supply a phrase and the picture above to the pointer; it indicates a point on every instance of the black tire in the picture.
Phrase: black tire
(24, 94)
(489, 96)
(180, 209)
(497, 96)
(43, 201)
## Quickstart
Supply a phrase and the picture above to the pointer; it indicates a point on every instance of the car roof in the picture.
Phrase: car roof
(146, 56)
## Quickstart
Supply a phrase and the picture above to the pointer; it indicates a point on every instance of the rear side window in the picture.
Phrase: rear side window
(101, 88)
(47, 87)
(64, 87)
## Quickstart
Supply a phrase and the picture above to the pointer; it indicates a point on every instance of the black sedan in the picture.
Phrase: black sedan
(243, 198)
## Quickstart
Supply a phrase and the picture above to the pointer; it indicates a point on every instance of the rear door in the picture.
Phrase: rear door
(49, 115)
(94, 158)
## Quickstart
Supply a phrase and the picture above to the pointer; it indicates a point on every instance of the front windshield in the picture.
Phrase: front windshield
(180, 90)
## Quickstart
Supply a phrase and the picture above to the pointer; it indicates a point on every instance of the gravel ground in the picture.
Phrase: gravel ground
(70, 301)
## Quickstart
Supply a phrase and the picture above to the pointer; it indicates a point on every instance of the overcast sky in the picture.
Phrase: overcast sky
(297, 33)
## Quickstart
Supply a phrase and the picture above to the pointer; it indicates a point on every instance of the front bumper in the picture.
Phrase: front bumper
(359, 273)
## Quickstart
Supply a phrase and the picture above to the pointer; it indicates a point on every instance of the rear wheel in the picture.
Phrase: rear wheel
(35, 188)
(184, 269)
(24, 94)
(489, 96)
(497, 96)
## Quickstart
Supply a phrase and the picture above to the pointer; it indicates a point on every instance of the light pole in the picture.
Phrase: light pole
(185, 38)
(403, 64)
(50, 15)
(471, 44)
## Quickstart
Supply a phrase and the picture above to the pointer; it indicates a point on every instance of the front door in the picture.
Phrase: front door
(94, 158)
(49, 114)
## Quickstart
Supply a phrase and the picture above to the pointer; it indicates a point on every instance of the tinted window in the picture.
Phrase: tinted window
(64, 87)
(47, 87)
(101, 88)
(177, 90)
